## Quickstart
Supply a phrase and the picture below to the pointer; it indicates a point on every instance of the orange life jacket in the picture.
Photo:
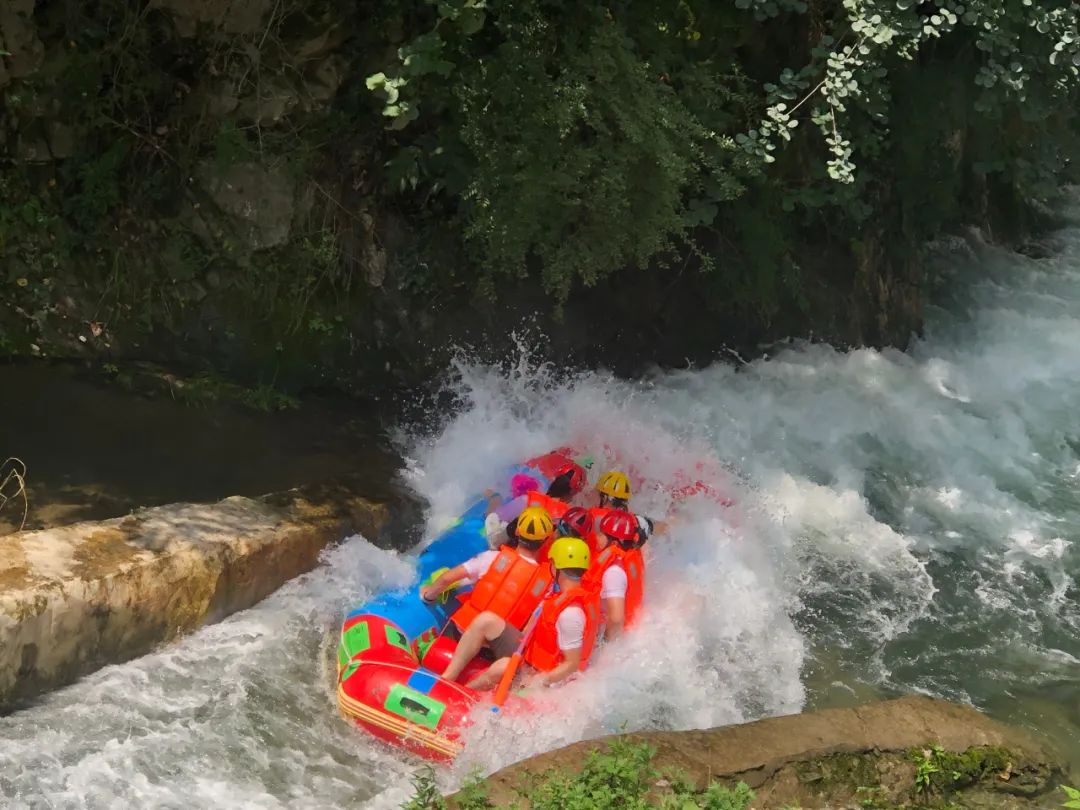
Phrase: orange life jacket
(511, 588)
(542, 652)
(633, 563)
(596, 514)
(554, 506)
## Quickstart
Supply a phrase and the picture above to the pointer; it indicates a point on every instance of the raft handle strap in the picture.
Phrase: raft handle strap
(414, 706)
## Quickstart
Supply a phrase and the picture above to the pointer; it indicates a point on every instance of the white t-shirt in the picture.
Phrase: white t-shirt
(614, 583)
(570, 628)
(478, 565)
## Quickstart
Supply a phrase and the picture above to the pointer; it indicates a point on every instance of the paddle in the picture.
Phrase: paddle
(503, 689)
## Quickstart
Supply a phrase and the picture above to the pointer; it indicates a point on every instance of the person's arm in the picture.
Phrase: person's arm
(613, 588)
(615, 609)
(570, 663)
(433, 591)
(494, 500)
(650, 527)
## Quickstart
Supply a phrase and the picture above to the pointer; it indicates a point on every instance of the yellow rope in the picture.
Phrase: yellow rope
(13, 484)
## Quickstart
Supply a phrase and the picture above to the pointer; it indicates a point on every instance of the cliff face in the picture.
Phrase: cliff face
(211, 182)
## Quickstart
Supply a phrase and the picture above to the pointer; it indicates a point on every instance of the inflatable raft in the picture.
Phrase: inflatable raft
(391, 652)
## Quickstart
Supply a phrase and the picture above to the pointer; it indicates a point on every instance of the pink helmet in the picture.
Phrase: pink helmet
(521, 484)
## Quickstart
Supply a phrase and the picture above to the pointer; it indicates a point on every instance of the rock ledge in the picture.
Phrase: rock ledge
(75, 598)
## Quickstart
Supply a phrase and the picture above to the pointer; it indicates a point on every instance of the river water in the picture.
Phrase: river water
(95, 451)
(905, 522)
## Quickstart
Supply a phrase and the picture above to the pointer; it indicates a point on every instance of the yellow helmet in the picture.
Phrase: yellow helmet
(534, 523)
(614, 484)
(569, 552)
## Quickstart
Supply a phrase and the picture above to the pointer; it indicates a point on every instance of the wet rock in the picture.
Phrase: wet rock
(19, 38)
(75, 598)
(32, 148)
(219, 100)
(325, 39)
(373, 263)
(323, 82)
(259, 202)
(276, 98)
(61, 140)
(371, 257)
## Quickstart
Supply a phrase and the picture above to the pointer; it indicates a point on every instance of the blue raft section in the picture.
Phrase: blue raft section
(465, 539)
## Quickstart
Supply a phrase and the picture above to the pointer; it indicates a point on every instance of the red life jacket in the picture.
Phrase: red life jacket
(554, 506)
(633, 563)
(511, 588)
(542, 652)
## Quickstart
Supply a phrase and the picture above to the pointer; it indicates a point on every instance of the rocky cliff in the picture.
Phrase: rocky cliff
(212, 182)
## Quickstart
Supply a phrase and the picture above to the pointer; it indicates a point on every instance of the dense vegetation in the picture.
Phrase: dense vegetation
(314, 185)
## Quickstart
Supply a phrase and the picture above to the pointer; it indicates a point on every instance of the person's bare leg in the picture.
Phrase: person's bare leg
(485, 627)
(490, 677)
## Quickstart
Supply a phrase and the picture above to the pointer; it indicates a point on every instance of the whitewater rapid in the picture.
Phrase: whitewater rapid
(903, 522)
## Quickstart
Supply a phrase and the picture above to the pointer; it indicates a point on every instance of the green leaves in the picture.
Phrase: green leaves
(700, 212)
(468, 14)
(1074, 797)
(388, 88)
(849, 91)
(767, 9)
(400, 111)
(424, 55)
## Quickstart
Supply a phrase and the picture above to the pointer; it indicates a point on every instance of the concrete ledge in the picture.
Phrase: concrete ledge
(75, 598)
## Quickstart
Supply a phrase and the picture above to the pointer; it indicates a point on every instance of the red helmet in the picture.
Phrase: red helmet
(574, 522)
(620, 525)
(577, 476)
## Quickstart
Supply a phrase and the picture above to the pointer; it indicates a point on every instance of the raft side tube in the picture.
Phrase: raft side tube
(368, 637)
(407, 706)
